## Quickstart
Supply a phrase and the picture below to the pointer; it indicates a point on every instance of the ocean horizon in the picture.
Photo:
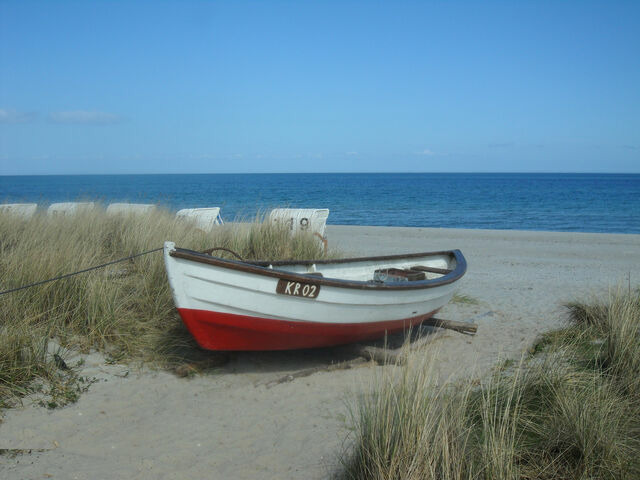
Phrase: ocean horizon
(581, 202)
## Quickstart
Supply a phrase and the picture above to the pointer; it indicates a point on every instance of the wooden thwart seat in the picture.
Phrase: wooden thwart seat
(412, 274)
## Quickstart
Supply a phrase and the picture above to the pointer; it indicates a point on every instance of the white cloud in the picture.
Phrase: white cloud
(426, 152)
(11, 116)
(81, 117)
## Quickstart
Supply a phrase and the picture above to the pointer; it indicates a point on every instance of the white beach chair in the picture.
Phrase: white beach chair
(68, 208)
(313, 220)
(204, 218)
(23, 210)
(130, 208)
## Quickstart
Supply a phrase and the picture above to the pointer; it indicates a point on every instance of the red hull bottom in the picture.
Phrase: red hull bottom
(226, 331)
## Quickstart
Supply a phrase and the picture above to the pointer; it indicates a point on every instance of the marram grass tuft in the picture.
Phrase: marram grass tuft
(124, 309)
(569, 411)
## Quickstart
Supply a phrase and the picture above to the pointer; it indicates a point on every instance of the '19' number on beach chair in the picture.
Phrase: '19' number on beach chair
(304, 223)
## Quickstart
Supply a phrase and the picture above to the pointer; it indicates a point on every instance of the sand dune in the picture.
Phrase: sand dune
(239, 422)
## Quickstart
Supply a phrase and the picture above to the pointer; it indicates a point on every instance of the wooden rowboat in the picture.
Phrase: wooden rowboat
(236, 305)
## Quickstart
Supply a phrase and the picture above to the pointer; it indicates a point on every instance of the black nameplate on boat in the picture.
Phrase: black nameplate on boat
(297, 289)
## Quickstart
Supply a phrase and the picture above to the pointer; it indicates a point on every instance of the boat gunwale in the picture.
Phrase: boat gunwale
(261, 268)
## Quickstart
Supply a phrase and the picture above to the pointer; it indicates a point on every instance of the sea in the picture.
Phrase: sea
(513, 201)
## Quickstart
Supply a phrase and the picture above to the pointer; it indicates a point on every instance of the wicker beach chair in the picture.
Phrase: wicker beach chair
(313, 220)
(69, 208)
(130, 208)
(205, 218)
(22, 210)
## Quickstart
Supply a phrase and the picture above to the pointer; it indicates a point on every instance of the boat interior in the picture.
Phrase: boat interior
(382, 270)
(390, 271)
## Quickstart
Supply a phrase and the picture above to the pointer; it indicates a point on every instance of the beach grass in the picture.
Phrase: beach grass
(568, 410)
(124, 310)
(461, 298)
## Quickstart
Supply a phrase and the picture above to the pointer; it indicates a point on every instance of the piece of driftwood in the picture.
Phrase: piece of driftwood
(462, 327)
(310, 371)
(382, 356)
(191, 368)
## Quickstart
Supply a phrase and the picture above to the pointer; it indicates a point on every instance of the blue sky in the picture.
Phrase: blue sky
(214, 87)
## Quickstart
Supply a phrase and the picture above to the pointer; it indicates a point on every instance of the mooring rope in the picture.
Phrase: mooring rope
(66, 275)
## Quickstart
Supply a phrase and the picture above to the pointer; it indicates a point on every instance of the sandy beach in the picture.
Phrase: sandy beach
(240, 422)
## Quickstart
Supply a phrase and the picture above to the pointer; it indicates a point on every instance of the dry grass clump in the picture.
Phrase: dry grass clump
(125, 309)
(23, 351)
(615, 326)
(570, 411)
(408, 427)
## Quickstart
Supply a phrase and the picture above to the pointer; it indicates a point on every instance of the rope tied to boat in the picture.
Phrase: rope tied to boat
(67, 275)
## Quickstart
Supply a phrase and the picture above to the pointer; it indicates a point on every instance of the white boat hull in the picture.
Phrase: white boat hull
(228, 308)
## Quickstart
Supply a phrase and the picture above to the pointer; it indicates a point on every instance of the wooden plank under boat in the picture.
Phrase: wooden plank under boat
(236, 305)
